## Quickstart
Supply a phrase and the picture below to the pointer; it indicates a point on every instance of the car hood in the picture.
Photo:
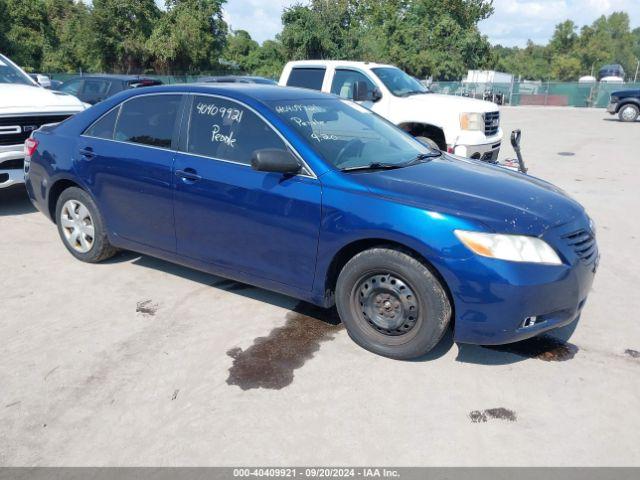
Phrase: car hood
(27, 99)
(451, 103)
(626, 93)
(503, 200)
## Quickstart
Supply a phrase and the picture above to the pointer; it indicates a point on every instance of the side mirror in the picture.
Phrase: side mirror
(275, 160)
(362, 93)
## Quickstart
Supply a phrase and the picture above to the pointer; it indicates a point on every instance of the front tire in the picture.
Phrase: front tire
(81, 227)
(392, 304)
(628, 113)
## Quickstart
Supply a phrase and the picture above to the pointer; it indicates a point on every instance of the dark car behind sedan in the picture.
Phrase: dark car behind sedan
(626, 104)
(239, 79)
(95, 88)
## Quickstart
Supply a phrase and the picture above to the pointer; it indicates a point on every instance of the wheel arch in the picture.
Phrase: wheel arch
(627, 101)
(420, 129)
(56, 190)
(350, 250)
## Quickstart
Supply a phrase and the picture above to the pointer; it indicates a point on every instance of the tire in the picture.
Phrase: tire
(81, 226)
(628, 113)
(392, 304)
(430, 143)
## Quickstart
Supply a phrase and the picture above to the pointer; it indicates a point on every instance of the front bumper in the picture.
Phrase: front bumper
(499, 302)
(10, 176)
(612, 108)
(485, 152)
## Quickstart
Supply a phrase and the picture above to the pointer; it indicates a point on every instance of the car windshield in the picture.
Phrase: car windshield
(349, 136)
(11, 74)
(398, 82)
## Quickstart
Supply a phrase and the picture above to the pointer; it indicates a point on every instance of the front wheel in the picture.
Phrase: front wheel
(392, 304)
(629, 113)
(81, 227)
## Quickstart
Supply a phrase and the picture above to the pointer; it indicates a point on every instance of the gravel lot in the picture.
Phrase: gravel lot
(141, 362)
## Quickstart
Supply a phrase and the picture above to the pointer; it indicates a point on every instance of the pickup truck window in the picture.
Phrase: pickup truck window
(344, 81)
(306, 78)
(347, 135)
(226, 130)
(398, 82)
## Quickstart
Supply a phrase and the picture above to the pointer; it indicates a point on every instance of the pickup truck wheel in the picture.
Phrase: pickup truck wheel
(427, 141)
(81, 227)
(392, 304)
(629, 113)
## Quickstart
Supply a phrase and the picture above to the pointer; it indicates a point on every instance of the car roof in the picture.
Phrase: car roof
(238, 91)
(107, 76)
(336, 63)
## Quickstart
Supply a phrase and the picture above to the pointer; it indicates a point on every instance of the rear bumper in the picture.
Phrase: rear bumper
(9, 175)
(499, 302)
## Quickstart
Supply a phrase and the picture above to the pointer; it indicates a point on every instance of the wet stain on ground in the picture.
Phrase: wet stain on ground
(231, 286)
(13, 404)
(271, 361)
(147, 308)
(543, 347)
(482, 416)
(566, 154)
(632, 353)
(175, 394)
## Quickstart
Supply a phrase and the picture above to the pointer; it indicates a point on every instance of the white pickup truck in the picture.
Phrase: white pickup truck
(460, 125)
(24, 107)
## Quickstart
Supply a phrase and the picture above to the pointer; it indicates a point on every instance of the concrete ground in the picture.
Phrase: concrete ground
(140, 362)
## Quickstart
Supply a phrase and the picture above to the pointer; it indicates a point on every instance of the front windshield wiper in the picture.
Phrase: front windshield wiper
(420, 158)
(413, 92)
(373, 166)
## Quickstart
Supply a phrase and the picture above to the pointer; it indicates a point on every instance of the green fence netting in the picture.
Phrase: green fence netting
(537, 93)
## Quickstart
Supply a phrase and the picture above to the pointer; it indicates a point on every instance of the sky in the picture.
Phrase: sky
(512, 24)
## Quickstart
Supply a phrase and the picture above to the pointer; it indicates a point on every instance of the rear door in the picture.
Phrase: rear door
(95, 90)
(126, 158)
(227, 214)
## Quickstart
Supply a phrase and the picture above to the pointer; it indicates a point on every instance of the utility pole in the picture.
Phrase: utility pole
(635, 79)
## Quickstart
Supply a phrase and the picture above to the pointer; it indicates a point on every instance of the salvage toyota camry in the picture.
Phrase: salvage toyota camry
(318, 198)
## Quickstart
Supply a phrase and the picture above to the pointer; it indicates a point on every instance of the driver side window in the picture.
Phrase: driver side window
(345, 80)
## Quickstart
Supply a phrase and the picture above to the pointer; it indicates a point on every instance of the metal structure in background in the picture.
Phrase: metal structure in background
(571, 94)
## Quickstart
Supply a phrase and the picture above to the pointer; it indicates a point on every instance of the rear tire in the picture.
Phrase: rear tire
(392, 304)
(81, 226)
(628, 113)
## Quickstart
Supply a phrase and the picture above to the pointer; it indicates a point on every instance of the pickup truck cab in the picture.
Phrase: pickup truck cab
(464, 126)
(24, 107)
(625, 104)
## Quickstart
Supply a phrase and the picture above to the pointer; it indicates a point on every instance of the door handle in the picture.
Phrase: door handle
(87, 153)
(188, 174)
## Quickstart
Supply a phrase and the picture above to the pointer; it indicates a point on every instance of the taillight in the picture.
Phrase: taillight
(30, 146)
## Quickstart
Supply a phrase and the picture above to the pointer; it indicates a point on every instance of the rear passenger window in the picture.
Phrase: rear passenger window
(103, 128)
(226, 130)
(306, 78)
(148, 120)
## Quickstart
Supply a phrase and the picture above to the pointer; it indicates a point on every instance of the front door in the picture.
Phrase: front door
(126, 160)
(227, 214)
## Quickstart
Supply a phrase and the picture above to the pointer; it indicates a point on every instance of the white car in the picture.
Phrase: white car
(24, 107)
(460, 125)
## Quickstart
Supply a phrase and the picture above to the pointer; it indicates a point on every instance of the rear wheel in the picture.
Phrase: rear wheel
(392, 304)
(81, 227)
(629, 113)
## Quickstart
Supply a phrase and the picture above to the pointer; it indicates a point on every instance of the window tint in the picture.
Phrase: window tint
(228, 131)
(95, 87)
(73, 87)
(344, 81)
(149, 120)
(306, 78)
(103, 128)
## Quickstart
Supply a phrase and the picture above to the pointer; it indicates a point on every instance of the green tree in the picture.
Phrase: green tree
(240, 48)
(25, 31)
(121, 29)
(190, 36)
(564, 38)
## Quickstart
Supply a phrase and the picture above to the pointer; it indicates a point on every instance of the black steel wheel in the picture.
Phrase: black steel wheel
(392, 303)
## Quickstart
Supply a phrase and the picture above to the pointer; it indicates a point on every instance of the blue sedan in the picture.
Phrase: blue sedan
(318, 198)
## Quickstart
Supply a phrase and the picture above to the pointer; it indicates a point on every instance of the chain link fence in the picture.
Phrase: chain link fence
(571, 94)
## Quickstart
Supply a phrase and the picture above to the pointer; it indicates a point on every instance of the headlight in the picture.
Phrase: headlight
(472, 121)
(515, 248)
